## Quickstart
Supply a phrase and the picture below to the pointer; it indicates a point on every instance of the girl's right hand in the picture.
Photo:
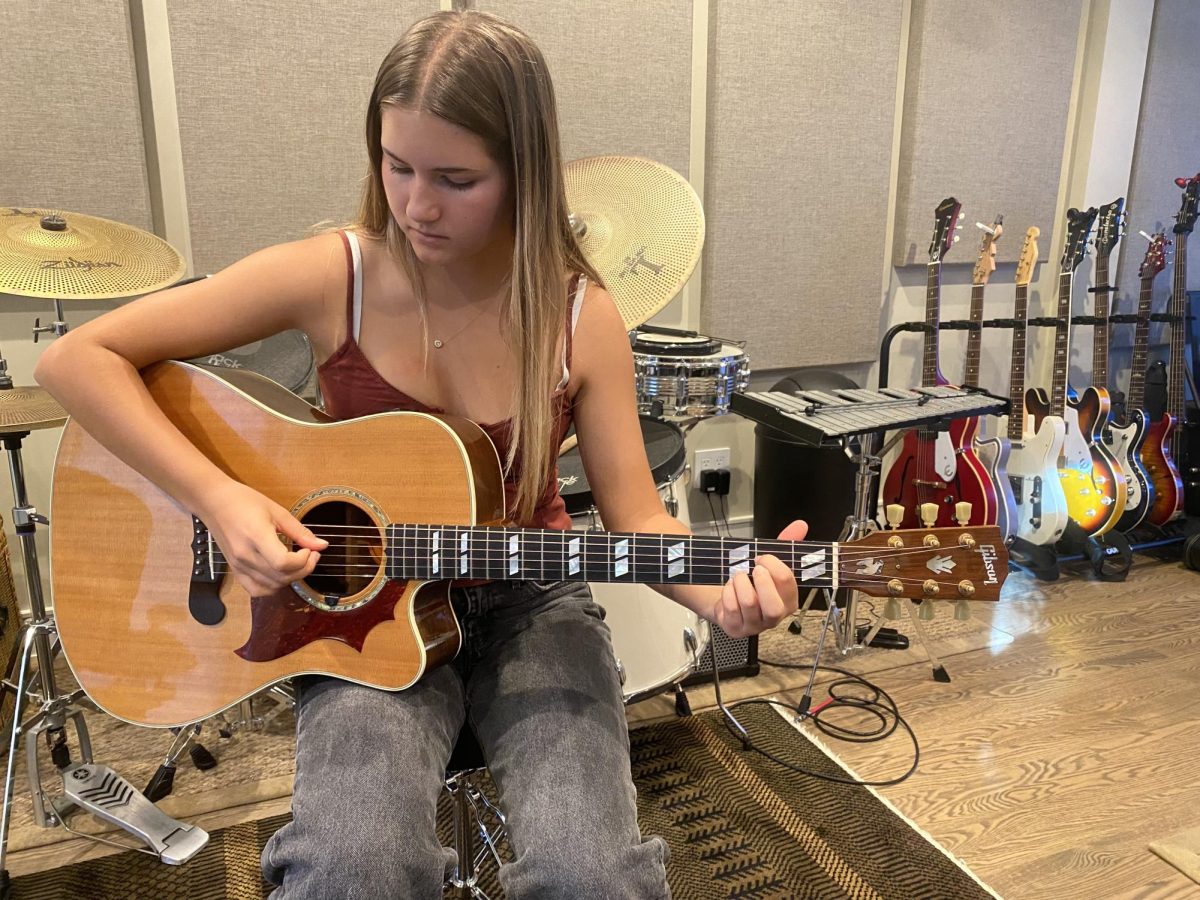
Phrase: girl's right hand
(247, 526)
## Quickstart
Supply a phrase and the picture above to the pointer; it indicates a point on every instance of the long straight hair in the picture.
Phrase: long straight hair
(478, 72)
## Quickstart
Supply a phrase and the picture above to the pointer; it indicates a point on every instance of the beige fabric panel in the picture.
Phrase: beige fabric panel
(621, 69)
(70, 124)
(801, 110)
(985, 116)
(1166, 149)
(272, 101)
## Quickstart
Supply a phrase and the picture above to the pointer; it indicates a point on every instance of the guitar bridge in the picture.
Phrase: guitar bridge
(204, 600)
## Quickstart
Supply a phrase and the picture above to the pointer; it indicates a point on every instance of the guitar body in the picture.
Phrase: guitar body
(1164, 475)
(1091, 477)
(123, 555)
(1030, 476)
(993, 455)
(942, 468)
(1125, 443)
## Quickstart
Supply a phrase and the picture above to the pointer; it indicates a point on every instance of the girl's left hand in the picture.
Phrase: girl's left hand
(750, 605)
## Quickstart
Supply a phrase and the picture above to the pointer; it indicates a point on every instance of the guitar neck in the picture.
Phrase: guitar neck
(1141, 344)
(1100, 333)
(1175, 395)
(931, 374)
(1016, 382)
(433, 552)
(1062, 345)
(974, 337)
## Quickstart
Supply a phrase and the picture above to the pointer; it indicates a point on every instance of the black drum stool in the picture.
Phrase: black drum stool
(478, 824)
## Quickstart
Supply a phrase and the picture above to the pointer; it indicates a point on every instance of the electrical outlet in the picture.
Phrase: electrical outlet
(708, 460)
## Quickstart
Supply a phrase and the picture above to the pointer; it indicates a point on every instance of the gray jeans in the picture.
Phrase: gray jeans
(537, 678)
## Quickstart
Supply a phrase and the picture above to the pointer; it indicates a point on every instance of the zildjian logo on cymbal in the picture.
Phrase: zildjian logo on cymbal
(639, 259)
(86, 264)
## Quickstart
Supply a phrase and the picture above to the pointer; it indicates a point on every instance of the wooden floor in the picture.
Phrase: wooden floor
(1051, 761)
(1048, 763)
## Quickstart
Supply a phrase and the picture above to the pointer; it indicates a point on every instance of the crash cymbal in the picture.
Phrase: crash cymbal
(70, 256)
(640, 224)
(27, 409)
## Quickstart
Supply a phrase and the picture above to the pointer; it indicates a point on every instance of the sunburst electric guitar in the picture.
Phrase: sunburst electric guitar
(1029, 454)
(1162, 447)
(939, 467)
(158, 633)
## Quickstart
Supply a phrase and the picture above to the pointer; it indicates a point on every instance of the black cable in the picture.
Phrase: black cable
(716, 519)
(725, 514)
(880, 705)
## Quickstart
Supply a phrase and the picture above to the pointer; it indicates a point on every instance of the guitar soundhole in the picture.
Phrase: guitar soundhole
(355, 553)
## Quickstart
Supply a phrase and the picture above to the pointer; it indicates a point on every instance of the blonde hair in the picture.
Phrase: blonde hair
(480, 73)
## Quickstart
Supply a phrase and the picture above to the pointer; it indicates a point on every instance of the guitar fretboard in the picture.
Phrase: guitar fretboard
(1141, 344)
(1100, 333)
(931, 374)
(1062, 345)
(1016, 384)
(974, 337)
(437, 552)
(1179, 308)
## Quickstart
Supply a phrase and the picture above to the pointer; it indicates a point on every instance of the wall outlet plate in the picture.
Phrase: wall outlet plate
(708, 460)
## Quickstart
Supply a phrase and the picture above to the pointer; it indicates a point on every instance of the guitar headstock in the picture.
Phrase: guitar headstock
(1029, 255)
(1109, 222)
(946, 219)
(986, 264)
(926, 563)
(1079, 225)
(1186, 219)
(1155, 259)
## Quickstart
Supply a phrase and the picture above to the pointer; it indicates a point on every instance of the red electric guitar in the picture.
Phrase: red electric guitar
(940, 467)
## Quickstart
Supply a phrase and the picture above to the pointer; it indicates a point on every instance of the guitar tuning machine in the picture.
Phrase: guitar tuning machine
(1146, 236)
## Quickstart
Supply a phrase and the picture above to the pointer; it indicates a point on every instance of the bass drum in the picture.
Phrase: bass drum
(657, 642)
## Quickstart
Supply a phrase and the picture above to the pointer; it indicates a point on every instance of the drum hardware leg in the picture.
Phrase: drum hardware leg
(939, 671)
(85, 784)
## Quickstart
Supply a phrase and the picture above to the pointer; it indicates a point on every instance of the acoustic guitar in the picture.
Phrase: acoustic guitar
(158, 633)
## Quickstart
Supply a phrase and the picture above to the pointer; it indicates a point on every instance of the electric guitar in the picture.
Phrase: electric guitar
(159, 634)
(1091, 477)
(1128, 439)
(1162, 444)
(1137, 483)
(1029, 472)
(933, 466)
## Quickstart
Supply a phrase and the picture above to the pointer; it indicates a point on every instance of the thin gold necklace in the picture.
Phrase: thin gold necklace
(439, 343)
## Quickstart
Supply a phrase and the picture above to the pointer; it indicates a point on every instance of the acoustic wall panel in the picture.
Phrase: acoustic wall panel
(800, 123)
(272, 100)
(1168, 147)
(986, 97)
(621, 69)
(70, 124)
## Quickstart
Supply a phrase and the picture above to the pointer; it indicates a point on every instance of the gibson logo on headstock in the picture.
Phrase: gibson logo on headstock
(988, 553)
(86, 264)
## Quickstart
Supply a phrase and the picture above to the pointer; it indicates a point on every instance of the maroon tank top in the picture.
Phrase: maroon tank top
(351, 387)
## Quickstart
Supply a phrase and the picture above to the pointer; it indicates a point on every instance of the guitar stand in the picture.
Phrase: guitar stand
(85, 784)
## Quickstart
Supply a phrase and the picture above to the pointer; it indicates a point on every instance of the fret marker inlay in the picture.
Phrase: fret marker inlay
(621, 558)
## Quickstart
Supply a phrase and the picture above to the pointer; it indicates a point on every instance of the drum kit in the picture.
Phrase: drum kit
(642, 227)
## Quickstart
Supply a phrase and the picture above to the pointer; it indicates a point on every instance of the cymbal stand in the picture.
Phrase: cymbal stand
(58, 327)
(96, 788)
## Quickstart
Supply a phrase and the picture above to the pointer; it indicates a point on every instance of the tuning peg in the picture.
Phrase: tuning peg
(1181, 182)
(962, 610)
(955, 239)
(929, 514)
(1147, 236)
(962, 512)
(891, 609)
(986, 228)
(926, 612)
(895, 514)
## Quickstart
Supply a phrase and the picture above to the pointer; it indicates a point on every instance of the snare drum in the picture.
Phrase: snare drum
(691, 375)
(285, 358)
(656, 640)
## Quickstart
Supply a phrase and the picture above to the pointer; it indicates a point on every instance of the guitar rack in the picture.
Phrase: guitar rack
(1096, 551)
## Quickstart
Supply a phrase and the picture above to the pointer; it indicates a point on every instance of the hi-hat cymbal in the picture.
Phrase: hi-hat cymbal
(642, 228)
(71, 256)
(27, 409)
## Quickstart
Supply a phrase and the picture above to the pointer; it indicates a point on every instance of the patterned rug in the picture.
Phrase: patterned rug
(738, 826)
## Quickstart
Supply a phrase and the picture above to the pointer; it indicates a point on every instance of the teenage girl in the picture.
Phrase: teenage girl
(459, 289)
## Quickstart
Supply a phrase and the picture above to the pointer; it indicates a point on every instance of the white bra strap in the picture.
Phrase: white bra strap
(356, 254)
(576, 305)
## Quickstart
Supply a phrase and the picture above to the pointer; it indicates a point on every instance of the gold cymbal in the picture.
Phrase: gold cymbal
(27, 409)
(71, 256)
(642, 228)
